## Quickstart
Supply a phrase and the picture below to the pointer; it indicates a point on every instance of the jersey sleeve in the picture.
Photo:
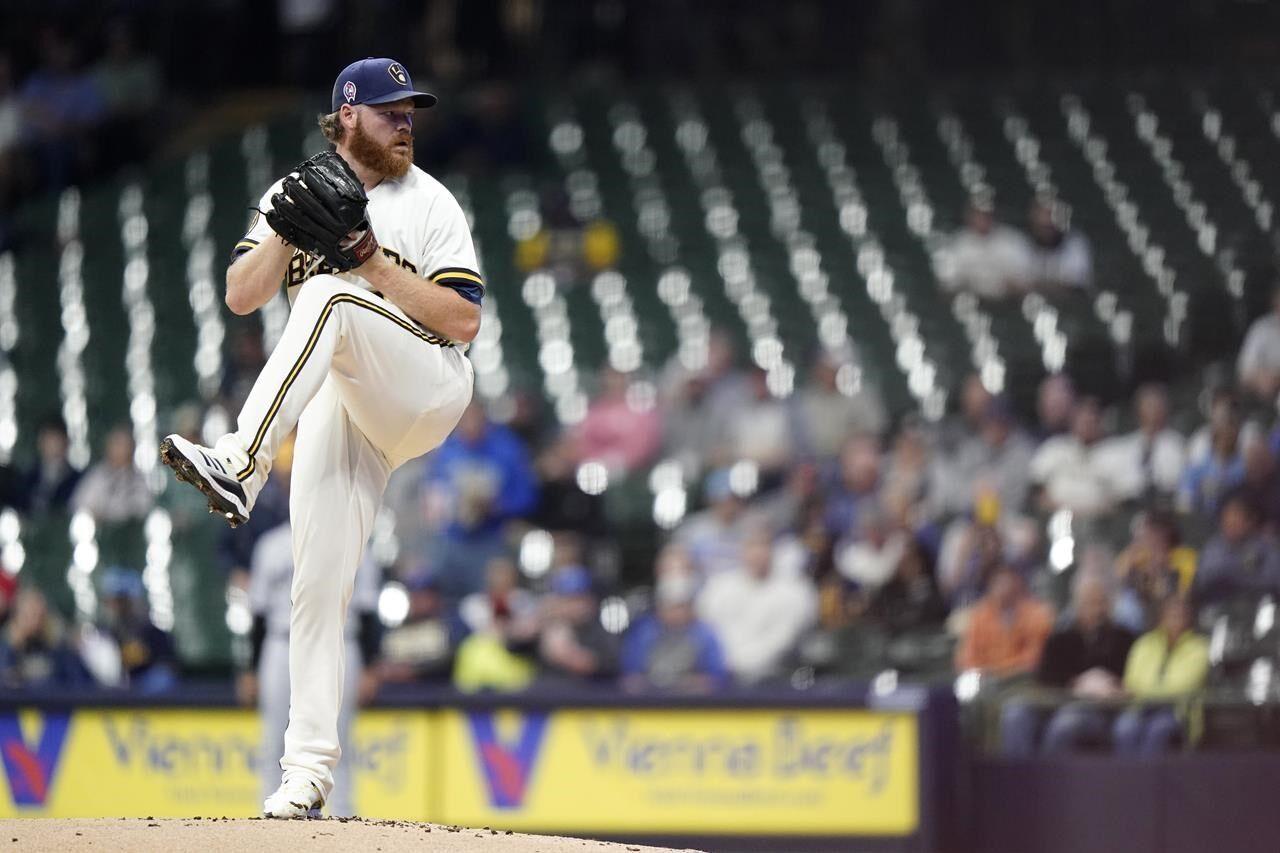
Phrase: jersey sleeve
(449, 253)
(258, 229)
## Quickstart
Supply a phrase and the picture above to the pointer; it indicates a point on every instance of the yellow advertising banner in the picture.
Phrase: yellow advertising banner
(780, 772)
(182, 763)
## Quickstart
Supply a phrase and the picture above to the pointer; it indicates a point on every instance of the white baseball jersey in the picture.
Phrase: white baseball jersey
(418, 222)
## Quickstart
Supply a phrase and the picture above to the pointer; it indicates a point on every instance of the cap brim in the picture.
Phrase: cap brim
(421, 100)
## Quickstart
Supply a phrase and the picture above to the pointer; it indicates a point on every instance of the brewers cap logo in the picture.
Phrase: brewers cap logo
(349, 91)
(397, 74)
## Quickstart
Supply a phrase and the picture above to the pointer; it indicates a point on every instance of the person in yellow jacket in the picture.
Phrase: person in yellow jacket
(1166, 667)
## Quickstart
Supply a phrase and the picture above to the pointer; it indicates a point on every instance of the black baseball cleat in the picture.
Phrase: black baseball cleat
(213, 475)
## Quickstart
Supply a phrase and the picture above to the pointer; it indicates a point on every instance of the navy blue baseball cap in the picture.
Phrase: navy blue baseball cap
(376, 81)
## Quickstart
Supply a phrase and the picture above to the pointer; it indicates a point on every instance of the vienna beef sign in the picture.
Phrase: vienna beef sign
(699, 772)
(759, 771)
(177, 762)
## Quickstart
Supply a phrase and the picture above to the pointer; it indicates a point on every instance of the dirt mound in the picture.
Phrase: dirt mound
(230, 835)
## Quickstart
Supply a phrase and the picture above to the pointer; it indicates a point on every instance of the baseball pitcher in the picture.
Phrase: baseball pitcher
(381, 273)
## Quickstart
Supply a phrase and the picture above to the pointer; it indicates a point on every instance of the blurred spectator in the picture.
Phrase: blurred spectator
(8, 590)
(486, 135)
(689, 433)
(477, 481)
(131, 85)
(910, 463)
(1070, 470)
(805, 547)
(11, 134)
(977, 544)
(1241, 560)
(997, 454)
(573, 645)
(565, 246)
(857, 483)
(1007, 629)
(148, 663)
(245, 359)
(1258, 366)
(712, 537)
(869, 556)
(757, 612)
(1055, 405)
(421, 647)
(488, 659)
(1150, 570)
(1086, 657)
(36, 650)
(307, 28)
(114, 490)
(673, 560)
(1225, 413)
(762, 432)
(837, 401)
(910, 600)
(1261, 484)
(61, 105)
(1147, 462)
(1060, 257)
(562, 504)
(1219, 470)
(986, 257)
(670, 649)
(975, 400)
(1166, 667)
(703, 406)
(48, 484)
(617, 432)
(236, 545)
(129, 81)
(10, 120)
(502, 600)
(789, 508)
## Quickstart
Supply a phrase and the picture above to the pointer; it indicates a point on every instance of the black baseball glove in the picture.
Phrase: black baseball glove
(320, 209)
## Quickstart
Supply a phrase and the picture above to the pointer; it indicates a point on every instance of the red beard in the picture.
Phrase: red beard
(383, 159)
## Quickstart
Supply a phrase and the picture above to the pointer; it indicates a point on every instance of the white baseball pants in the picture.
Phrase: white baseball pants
(273, 709)
(368, 390)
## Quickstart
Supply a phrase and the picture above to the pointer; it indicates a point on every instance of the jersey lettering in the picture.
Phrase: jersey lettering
(300, 266)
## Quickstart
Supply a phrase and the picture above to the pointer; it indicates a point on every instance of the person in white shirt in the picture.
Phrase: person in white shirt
(758, 614)
(1148, 461)
(114, 490)
(1069, 469)
(1061, 259)
(986, 257)
(870, 556)
(1259, 364)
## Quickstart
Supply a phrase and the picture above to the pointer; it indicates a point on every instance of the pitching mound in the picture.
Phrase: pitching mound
(227, 835)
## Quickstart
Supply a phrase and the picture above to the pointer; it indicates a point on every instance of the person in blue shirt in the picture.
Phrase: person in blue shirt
(481, 478)
(671, 649)
(1207, 480)
(1241, 561)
